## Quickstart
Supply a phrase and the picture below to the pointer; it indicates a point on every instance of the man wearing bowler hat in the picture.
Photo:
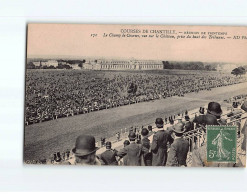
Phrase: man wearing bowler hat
(133, 152)
(177, 154)
(109, 156)
(123, 161)
(85, 151)
(146, 143)
(210, 118)
(159, 144)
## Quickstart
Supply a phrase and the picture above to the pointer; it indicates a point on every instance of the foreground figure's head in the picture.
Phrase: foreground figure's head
(178, 129)
(132, 136)
(108, 145)
(144, 132)
(159, 122)
(85, 149)
(126, 143)
(214, 108)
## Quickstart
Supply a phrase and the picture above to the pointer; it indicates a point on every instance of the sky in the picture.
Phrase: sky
(76, 40)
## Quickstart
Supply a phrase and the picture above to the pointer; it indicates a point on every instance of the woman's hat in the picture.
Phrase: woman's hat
(85, 145)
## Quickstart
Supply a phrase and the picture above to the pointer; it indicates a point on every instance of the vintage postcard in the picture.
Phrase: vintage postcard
(135, 95)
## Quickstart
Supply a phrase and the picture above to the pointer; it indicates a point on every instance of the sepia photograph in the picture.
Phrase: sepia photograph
(135, 95)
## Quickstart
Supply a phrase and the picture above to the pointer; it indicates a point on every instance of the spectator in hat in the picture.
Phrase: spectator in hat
(126, 143)
(146, 144)
(125, 158)
(179, 148)
(43, 161)
(102, 141)
(235, 113)
(179, 119)
(67, 154)
(169, 126)
(109, 156)
(210, 118)
(159, 144)
(188, 126)
(201, 111)
(85, 151)
(118, 136)
(138, 137)
(57, 157)
(133, 151)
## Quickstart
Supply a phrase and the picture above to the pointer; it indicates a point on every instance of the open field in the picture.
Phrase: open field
(42, 139)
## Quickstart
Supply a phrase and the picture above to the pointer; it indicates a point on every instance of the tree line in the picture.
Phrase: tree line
(189, 66)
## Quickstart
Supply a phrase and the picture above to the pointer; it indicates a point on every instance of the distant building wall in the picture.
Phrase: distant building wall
(49, 63)
(36, 63)
(123, 65)
(75, 66)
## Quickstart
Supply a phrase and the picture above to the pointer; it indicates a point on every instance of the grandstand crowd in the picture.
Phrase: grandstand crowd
(55, 94)
(166, 144)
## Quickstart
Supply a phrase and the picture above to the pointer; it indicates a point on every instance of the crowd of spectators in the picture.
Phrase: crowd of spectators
(165, 144)
(52, 94)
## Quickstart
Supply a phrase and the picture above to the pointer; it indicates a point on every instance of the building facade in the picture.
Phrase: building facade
(123, 65)
(46, 63)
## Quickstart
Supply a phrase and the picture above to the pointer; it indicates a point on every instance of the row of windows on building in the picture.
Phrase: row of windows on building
(122, 66)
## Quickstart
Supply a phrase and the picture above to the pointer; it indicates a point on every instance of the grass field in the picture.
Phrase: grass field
(42, 139)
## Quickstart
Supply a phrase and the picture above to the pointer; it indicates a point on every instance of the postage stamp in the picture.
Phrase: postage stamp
(221, 143)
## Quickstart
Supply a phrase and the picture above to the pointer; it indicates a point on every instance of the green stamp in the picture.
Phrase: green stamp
(221, 143)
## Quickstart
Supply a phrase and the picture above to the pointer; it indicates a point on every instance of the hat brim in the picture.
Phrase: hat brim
(159, 125)
(78, 152)
(176, 131)
(215, 113)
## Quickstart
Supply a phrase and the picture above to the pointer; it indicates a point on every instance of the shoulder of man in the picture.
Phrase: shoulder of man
(198, 118)
(145, 140)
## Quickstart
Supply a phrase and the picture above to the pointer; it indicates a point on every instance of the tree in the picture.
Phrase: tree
(30, 65)
(207, 67)
(238, 71)
(81, 63)
(167, 65)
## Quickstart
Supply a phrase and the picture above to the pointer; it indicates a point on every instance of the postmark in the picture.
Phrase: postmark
(221, 143)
